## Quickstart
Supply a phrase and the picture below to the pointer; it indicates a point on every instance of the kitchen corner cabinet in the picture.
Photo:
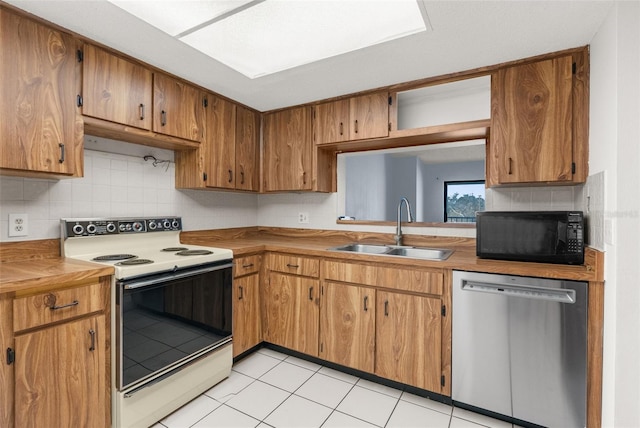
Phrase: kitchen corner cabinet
(247, 331)
(537, 131)
(357, 118)
(291, 302)
(41, 127)
(178, 108)
(61, 364)
(115, 89)
(347, 325)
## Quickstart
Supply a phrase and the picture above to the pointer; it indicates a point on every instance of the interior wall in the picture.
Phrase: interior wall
(368, 185)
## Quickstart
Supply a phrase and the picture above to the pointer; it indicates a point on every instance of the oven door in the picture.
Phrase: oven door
(166, 321)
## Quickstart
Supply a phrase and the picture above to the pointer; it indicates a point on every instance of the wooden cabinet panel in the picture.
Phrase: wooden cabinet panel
(246, 265)
(347, 325)
(247, 149)
(41, 127)
(177, 108)
(331, 122)
(369, 116)
(220, 143)
(247, 331)
(292, 312)
(295, 265)
(409, 339)
(56, 369)
(115, 89)
(7, 381)
(288, 150)
(34, 311)
(414, 280)
(532, 122)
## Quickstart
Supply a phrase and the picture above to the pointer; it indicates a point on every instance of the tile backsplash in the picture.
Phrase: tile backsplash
(118, 185)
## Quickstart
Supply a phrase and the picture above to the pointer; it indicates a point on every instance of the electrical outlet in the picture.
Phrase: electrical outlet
(303, 217)
(18, 225)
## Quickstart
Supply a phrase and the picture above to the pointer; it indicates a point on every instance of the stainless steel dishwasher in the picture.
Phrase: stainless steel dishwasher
(520, 348)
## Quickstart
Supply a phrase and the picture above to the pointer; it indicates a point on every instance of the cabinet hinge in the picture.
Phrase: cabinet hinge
(321, 348)
(204, 176)
(205, 102)
(389, 127)
(11, 356)
(80, 55)
(574, 68)
(442, 380)
(390, 101)
(573, 167)
(443, 311)
(79, 101)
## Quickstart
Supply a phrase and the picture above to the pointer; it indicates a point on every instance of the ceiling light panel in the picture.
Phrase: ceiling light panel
(277, 35)
(175, 17)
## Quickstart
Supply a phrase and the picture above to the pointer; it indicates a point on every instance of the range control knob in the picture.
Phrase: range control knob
(78, 229)
(91, 228)
(111, 227)
(123, 227)
(175, 224)
(137, 226)
(152, 225)
(166, 224)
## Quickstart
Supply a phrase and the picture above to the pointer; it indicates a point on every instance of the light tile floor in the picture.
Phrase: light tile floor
(271, 389)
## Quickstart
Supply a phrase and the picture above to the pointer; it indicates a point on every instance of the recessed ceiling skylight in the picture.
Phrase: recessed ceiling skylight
(258, 38)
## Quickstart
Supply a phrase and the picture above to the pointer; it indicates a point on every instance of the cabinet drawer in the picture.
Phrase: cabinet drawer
(428, 281)
(246, 265)
(45, 308)
(304, 266)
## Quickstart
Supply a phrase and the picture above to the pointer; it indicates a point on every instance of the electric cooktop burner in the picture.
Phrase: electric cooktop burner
(174, 249)
(135, 262)
(113, 257)
(194, 253)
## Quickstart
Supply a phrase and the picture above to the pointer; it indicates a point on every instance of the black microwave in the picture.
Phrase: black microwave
(531, 236)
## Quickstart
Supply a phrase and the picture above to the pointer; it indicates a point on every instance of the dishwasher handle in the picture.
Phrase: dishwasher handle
(559, 295)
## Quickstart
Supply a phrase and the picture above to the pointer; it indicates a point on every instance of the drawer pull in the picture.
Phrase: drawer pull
(248, 265)
(92, 333)
(366, 300)
(50, 301)
(289, 265)
(240, 296)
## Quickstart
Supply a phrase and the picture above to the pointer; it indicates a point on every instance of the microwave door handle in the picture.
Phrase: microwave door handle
(558, 295)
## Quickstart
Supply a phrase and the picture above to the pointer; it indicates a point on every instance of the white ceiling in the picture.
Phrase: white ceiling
(466, 35)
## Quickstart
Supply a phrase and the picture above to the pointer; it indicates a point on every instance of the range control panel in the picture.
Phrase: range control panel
(99, 227)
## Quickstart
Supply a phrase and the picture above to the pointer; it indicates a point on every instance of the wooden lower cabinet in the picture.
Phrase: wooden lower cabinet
(292, 312)
(60, 375)
(409, 339)
(347, 325)
(246, 313)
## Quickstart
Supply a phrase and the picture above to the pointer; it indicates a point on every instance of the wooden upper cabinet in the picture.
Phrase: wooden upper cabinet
(247, 149)
(288, 150)
(532, 123)
(357, 118)
(115, 89)
(40, 126)
(178, 108)
(220, 143)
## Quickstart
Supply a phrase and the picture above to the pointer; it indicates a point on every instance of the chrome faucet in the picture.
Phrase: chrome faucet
(398, 236)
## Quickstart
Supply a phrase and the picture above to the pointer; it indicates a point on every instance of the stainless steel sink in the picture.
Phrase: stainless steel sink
(398, 251)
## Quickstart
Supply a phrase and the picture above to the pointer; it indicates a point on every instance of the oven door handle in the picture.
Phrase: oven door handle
(173, 276)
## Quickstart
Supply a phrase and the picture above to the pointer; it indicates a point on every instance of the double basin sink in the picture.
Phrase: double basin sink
(397, 250)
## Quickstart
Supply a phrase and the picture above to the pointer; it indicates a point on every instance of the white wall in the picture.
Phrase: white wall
(614, 151)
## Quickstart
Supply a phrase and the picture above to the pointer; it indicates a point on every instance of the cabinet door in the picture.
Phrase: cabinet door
(246, 313)
(347, 325)
(39, 117)
(247, 149)
(331, 122)
(369, 116)
(531, 122)
(60, 375)
(177, 108)
(115, 89)
(288, 150)
(408, 339)
(220, 142)
(292, 312)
